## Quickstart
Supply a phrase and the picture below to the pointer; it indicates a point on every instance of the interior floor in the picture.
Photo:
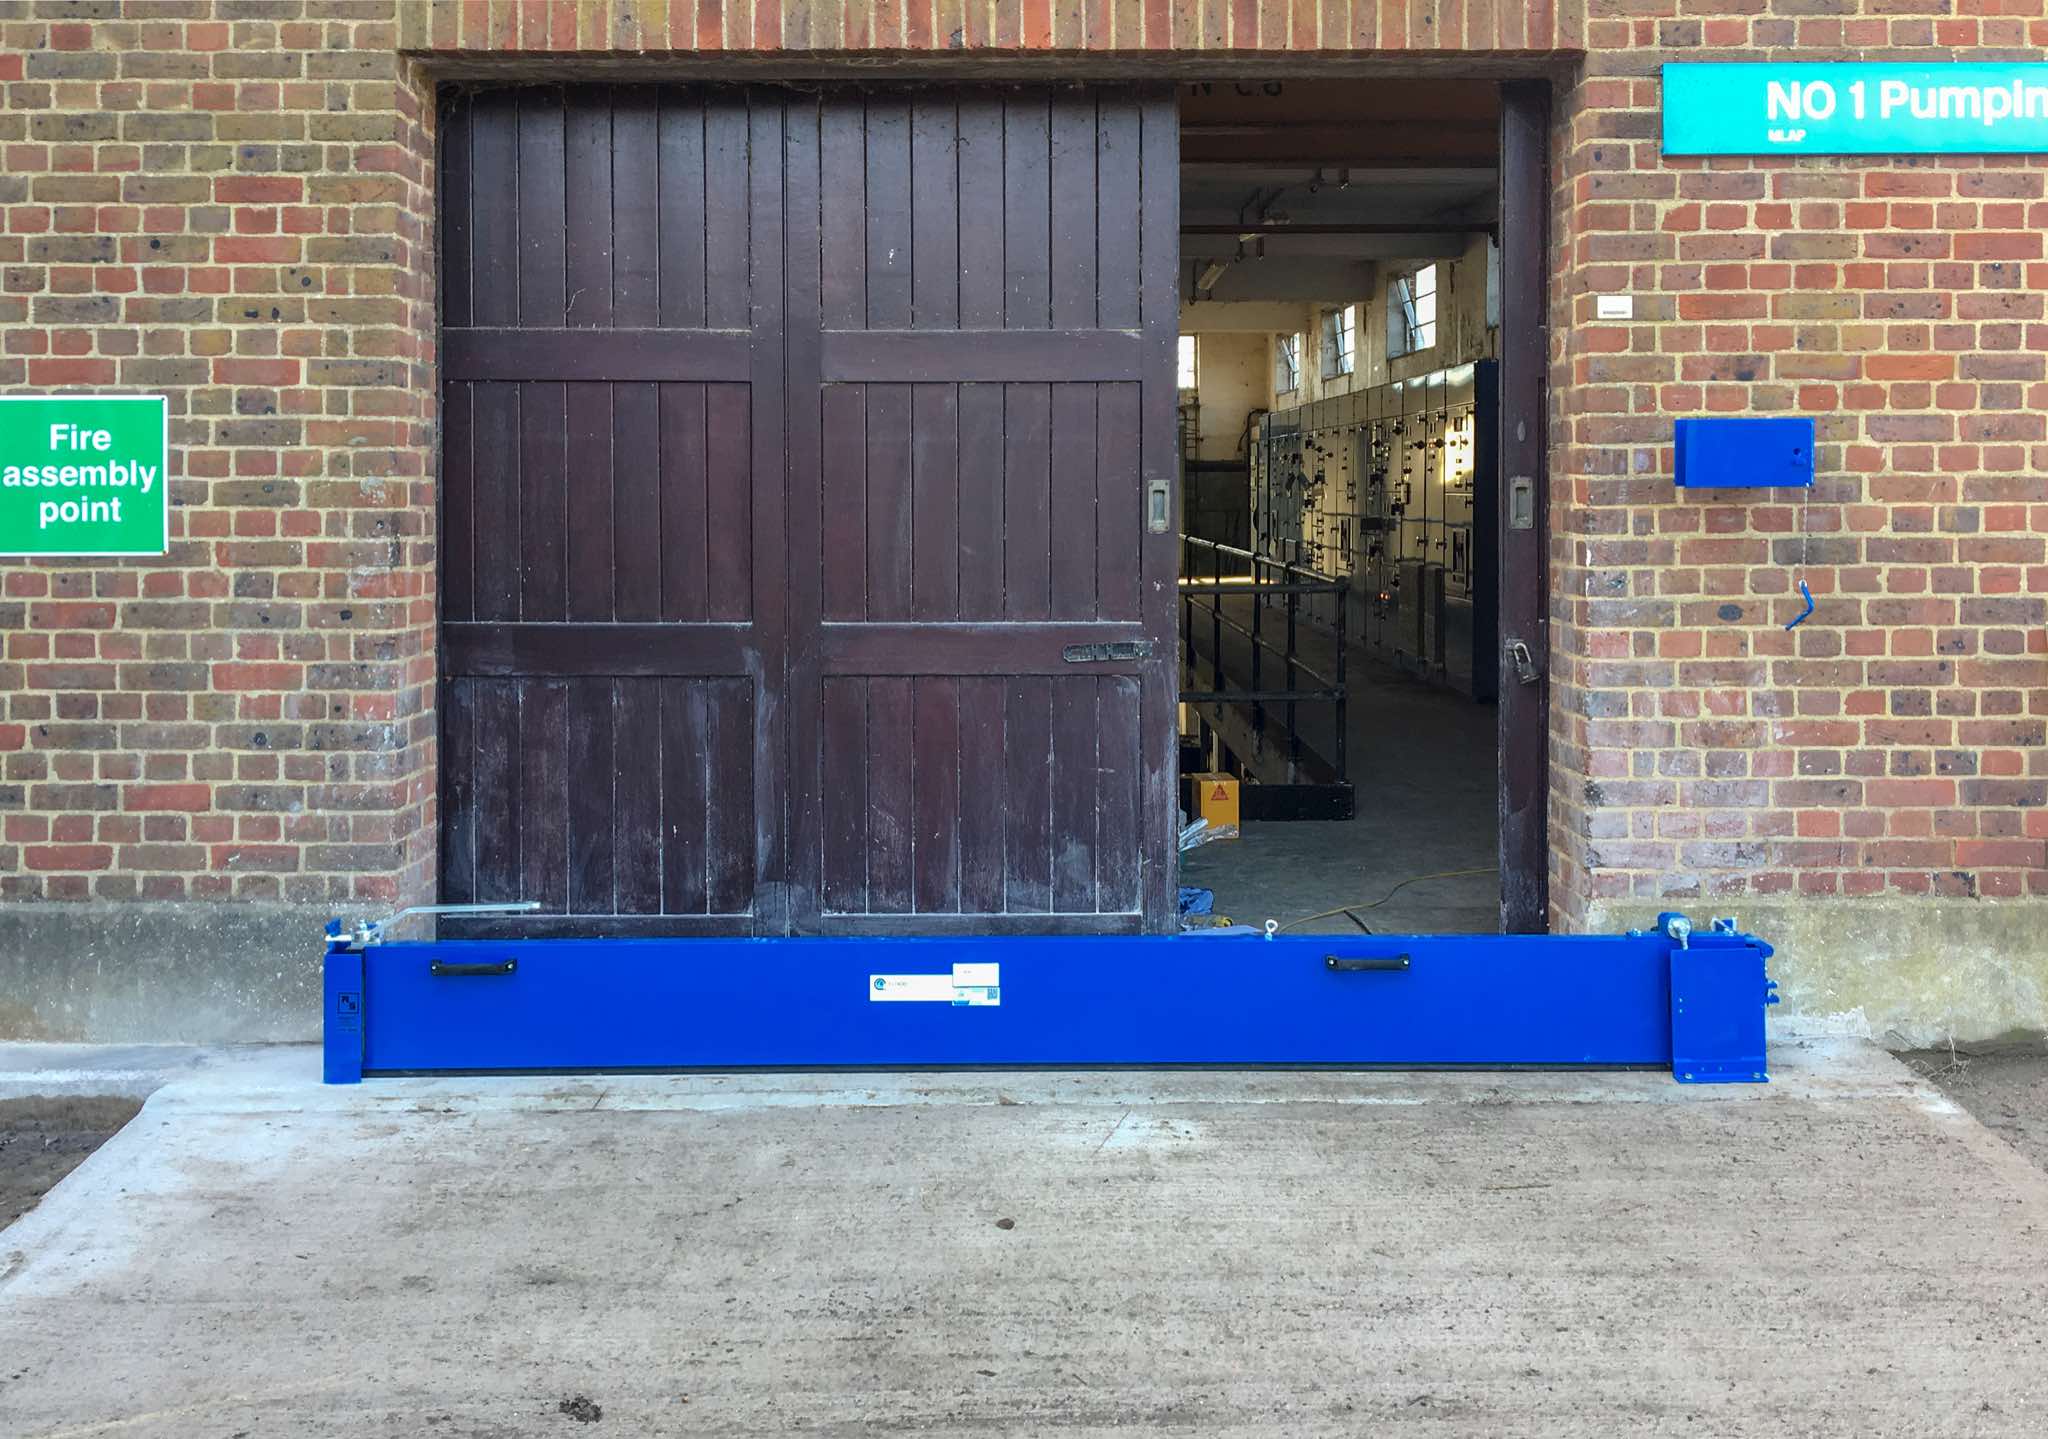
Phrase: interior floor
(1423, 762)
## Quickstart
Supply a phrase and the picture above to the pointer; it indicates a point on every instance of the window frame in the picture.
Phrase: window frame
(1340, 342)
(1287, 363)
(1408, 331)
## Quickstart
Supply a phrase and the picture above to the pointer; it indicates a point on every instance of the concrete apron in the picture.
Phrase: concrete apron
(1841, 1252)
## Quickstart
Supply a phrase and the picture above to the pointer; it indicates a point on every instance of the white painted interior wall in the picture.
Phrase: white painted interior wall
(1235, 345)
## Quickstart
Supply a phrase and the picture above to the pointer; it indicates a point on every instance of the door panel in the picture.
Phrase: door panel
(611, 518)
(974, 313)
(761, 574)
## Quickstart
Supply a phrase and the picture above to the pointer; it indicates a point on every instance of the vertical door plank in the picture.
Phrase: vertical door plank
(980, 178)
(587, 257)
(1159, 261)
(1072, 247)
(495, 486)
(984, 794)
(636, 219)
(1027, 211)
(458, 501)
(543, 210)
(1074, 523)
(934, 213)
(1118, 832)
(844, 750)
(497, 788)
(459, 774)
(1116, 213)
(683, 207)
(889, 533)
(729, 501)
(494, 208)
(636, 811)
(842, 212)
(1075, 783)
(543, 500)
(888, 214)
(891, 795)
(729, 827)
(843, 476)
(589, 553)
(544, 782)
(1119, 505)
(455, 182)
(935, 502)
(636, 487)
(592, 802)
(979, 463)
(804, 535)
(727, 295)
(767, 528)
(1027, 512)
(685, 795)
(1027, 801)
(1522, 735)
(685, 517)
(935, 751)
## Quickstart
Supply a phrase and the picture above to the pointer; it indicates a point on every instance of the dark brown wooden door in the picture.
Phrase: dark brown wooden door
(870, 660)
(612, 600)
(982, 319)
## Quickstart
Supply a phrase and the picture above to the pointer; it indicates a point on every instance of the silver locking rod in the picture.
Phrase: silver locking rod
(371, 931)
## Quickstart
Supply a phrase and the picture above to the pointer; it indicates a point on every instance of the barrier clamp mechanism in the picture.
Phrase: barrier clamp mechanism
(341, 985)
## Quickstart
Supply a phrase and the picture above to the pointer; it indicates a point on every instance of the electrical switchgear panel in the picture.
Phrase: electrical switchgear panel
(1395, 490)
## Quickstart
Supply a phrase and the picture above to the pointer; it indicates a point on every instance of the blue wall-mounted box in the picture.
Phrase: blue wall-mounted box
(1744, 452)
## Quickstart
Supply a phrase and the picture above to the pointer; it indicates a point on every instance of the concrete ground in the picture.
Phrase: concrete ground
(1422, 761)
(1843, 1252)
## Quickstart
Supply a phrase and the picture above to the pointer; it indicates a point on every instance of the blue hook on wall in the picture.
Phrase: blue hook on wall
(1801, 618)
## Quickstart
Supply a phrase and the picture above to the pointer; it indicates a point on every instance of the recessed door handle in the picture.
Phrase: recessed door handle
(1365, 963)
(457, 971)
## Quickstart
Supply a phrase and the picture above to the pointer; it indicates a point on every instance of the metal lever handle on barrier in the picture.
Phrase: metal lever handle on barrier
(1371, 963)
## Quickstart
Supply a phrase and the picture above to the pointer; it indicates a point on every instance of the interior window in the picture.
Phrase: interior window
(1340, 336)
(1411, 313)
(1287, 364)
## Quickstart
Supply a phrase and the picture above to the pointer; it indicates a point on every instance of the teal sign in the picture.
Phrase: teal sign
(84, 475)
(1855, 109)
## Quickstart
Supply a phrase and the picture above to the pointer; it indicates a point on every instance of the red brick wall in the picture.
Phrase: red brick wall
(643, 26)
(228, 201)
(1893, 743)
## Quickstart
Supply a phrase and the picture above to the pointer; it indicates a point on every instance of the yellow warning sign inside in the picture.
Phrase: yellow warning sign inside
(1216, 799)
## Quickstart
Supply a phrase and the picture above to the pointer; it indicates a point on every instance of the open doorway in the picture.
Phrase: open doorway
(1341, 348)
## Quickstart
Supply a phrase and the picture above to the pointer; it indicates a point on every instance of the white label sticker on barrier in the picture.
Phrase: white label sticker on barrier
(968, 984)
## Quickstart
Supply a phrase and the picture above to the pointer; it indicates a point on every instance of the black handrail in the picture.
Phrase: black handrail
(1265, 580)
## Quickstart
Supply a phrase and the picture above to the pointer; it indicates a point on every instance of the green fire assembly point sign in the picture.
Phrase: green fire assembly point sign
(84, 475)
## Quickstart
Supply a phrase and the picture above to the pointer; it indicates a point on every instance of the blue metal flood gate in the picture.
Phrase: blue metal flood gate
(1667, 996)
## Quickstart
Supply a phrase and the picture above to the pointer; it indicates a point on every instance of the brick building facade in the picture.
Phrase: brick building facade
(231, 202)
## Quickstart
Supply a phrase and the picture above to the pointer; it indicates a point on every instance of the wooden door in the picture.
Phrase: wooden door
(1524, 707)
(612, 522)
(982, 324)
(896, 656)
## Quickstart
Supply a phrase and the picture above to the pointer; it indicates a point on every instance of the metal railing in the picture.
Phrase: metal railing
(1209, 573)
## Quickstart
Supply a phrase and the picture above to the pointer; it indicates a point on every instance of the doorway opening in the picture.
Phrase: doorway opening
(1340, 355)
